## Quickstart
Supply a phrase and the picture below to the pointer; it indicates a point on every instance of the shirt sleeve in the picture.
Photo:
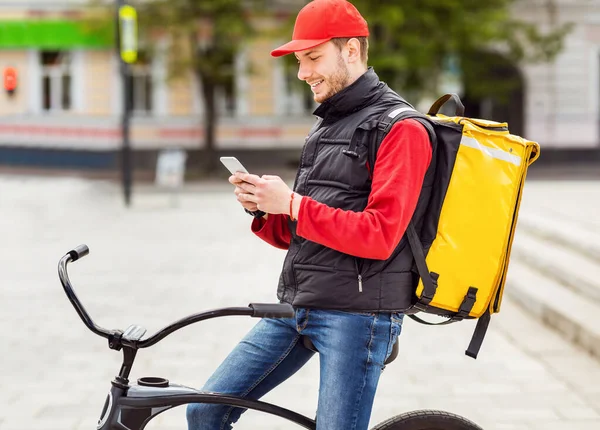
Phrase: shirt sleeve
(402, 161)
(274, 230)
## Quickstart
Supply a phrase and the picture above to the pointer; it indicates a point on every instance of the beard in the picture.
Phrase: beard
(337, 82)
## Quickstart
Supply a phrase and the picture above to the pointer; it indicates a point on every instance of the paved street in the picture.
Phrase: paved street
(157, 262)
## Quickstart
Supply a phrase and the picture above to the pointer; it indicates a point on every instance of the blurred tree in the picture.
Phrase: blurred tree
(414, 44)
(203, 37)
(200, 36)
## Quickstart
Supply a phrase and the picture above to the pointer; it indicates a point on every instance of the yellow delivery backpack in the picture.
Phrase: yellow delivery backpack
(462, 247)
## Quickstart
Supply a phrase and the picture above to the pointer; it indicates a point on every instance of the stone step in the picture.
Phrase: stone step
(573, 202)
(578, 237)
(563, 309)
(574, 270)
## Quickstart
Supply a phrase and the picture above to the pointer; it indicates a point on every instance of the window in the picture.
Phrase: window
(56, 80)
(141, 86)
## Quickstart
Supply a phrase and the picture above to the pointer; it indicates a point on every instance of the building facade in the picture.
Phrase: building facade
(562, 99)
(69, 95)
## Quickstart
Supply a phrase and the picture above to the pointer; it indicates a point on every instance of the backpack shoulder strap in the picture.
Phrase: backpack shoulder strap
(392, 116)
(386, 122)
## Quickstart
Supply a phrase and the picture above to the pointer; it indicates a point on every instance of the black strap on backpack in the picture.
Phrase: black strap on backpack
(480, 329)
(429, 278)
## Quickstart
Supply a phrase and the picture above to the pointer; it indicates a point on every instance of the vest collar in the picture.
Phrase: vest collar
(364, 91)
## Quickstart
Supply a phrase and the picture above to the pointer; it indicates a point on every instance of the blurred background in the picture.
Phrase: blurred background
(113, 115)
(202, 78)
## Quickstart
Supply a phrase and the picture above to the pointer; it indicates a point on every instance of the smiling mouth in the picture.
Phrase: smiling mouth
(316, 84)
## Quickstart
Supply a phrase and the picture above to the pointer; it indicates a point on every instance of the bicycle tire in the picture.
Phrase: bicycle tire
(427, 420)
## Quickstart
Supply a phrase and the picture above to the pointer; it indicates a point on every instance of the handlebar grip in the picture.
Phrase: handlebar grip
(272, 310)
(79, 252)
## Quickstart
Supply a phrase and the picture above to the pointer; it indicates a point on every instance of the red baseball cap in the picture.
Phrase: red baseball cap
(322, 20)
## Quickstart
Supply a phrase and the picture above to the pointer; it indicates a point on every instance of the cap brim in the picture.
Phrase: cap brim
(297, 45)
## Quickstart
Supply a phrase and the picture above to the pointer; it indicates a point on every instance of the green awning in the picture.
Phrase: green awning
(49, 34)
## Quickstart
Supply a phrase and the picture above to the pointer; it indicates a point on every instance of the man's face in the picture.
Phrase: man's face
(324, 68)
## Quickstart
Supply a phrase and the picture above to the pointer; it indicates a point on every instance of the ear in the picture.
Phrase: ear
(353, 46)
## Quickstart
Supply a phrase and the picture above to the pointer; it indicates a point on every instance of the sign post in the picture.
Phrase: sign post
(127, 46)
(170, 171)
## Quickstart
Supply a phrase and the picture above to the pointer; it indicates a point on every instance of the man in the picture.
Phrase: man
(347, 271)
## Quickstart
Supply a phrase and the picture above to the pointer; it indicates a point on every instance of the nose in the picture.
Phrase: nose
(304, 72)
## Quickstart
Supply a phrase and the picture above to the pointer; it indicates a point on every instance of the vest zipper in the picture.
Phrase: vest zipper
(360, 285)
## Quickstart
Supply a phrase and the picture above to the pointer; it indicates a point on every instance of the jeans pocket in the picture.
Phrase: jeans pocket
(397, 318)
(395, 328)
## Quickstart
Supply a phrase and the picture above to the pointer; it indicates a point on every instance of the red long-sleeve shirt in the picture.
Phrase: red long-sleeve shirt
(374, 233)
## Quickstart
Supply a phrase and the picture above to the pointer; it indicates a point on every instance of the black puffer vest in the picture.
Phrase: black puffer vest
(334, 170)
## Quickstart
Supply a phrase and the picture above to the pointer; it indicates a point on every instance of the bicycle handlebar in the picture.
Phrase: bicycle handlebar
(79, 252)
(257, 310)
(74, 255)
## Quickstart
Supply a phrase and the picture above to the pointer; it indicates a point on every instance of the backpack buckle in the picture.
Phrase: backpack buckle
(383, 126)
(467, 304)
(425, 298)
(420, 307)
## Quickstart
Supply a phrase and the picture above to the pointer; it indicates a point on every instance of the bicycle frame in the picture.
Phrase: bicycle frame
(132, 406)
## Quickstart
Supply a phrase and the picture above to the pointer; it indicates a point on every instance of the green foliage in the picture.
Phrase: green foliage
(204, 34)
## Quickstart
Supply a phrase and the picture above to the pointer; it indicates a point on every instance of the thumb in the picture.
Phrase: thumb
(270, 177)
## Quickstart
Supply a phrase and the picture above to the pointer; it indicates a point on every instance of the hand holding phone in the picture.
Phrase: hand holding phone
(234, 166)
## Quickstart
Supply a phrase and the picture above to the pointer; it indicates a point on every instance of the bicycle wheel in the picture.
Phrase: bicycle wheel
(427, 420)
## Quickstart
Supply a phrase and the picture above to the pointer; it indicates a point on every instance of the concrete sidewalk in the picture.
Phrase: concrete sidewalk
(154, 263)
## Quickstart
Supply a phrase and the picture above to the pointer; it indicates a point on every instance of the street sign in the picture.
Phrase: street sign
(170, 168)
(128, 32)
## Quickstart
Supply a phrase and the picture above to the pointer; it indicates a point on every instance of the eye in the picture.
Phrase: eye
(314, 58)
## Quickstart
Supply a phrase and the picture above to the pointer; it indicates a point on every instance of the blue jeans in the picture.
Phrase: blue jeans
(352, 348)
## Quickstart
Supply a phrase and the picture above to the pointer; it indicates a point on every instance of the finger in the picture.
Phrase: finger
(270, 177)
(239, 191)
(247, 177)
(250, 206)
(234, 180)
(246, 197)
(246, 187)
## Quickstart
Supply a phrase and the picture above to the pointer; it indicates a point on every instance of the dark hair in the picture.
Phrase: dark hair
(340, 42)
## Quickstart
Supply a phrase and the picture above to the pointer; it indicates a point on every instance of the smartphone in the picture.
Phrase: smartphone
(233, 165)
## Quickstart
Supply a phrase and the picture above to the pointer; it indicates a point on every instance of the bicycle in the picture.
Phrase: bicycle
(131, 406)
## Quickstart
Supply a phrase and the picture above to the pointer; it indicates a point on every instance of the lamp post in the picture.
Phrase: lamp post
(126, 20)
